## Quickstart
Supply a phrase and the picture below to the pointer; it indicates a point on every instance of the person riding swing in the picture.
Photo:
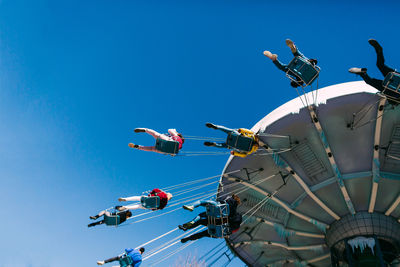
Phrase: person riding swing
(390, 86)
(155, 200)
(130, 258)
(221, 218)
(169, 143)
(301, 70)
(242, 142)
(111, 218)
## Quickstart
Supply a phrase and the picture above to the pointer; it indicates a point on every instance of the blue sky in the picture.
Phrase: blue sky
(77, 77)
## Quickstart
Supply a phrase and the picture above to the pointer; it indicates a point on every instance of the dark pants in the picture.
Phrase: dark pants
(201, 219)
(96, 223)
(198, 235)
(112, 259)
(284, 67)
(384, 69)
(227, 131)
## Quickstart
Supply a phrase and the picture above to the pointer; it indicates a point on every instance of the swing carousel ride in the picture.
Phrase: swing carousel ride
(325, 188)
(322, 187)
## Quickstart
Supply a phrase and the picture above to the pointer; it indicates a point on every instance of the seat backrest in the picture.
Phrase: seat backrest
(301, 68)
(218, 231)
(125, 261)
(111, 219)
(152, 202)
(219, 211)
(239, 142)
(167, 146)
(392, 82)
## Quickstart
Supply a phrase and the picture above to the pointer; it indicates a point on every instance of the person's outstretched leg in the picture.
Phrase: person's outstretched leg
(225, 129)
(112, 259)
(204, 203)
(220, 127)
(214, 144)
(376, 83)
(96, 223)
(152, 133)
(130, 207)
(295, 51)
(380, 59)
(371, 81)
(221, 145)
(199, 219)
(133, 198)
(196, 236)
(277, 63)
(144, 148)
(199, 203)
(101, 213)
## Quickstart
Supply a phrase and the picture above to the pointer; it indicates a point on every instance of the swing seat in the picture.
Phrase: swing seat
(219, 211)
(125, 261)
(167, 146)
(218, 231)
(217, 217)
(391, 85)
(301, 70)
(112, 219)
(239, 142)
(150, 202)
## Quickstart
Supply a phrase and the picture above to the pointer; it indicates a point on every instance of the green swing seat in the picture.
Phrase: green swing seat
(152, 202)
(167, 146)
(239, 142)
(300, 70)
(112, 218)
(391, 85)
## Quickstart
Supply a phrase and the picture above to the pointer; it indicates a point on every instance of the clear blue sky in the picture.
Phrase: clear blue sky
(76, 77)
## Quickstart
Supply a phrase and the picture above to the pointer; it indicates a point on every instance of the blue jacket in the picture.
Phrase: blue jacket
(135, 255)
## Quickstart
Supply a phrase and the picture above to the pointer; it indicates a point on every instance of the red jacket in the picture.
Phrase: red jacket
(178, 139)
(162, 195)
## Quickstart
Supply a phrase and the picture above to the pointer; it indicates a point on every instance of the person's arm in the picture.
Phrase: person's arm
(173, 132)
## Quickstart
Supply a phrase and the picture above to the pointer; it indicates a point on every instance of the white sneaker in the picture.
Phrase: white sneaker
(100, 262)
(291, 45)
(271, 56)
(358, 70)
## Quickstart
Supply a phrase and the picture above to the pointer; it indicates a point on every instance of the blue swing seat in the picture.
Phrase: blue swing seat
(217, 217)
(391, 85)
(125, 261)
(152, 202)
(219, 231)
(239, 142)
(112, 219)
(301, 70)
(167, 146)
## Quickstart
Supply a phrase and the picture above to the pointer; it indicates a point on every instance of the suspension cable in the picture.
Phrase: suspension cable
(151, 241)
(174, 252)
(213, 249)
(178, 193)
(155, 253)
(196, 181)
(169, 242)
